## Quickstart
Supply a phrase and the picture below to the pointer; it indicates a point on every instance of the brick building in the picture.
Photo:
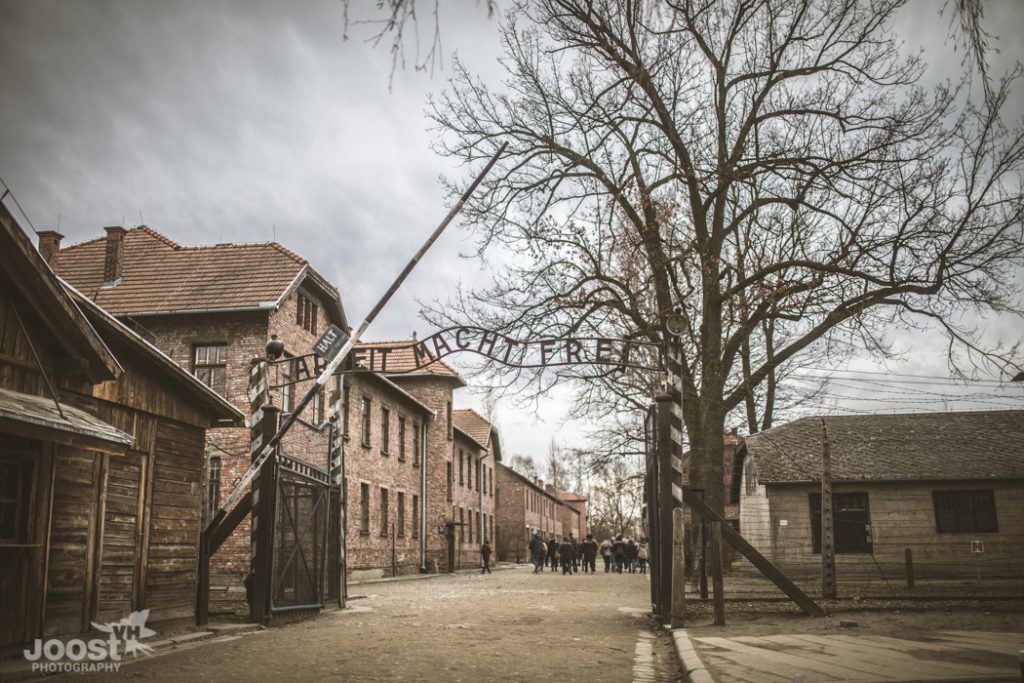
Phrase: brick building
(947, 487)
(475, 449)
(434, 386)
(573, 513)
(523, 506)
(212, 310)
(383, 428)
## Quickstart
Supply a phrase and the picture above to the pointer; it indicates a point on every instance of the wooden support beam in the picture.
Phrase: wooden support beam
(828, 547)
(748, 551)
(717, 579)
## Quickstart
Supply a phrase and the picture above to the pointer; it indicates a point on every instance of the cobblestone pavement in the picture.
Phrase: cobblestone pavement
(512, 625)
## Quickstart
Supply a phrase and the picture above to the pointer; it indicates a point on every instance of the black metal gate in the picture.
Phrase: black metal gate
(302, 501)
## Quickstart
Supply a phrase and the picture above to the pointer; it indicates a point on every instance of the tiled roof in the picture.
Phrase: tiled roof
(571, 497)
(911, 446)
(160, 276)
(401, 361)
(474, 425)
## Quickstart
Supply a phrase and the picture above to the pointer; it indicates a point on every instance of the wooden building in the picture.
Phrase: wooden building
(101, 460)
(934, 483)
(212, 309)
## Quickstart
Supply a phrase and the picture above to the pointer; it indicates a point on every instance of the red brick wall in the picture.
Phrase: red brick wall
(465, 505)
(370, 465)
(435, 392)
(522, 508)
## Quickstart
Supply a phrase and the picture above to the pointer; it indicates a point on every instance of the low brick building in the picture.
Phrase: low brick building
(212, 310)
(523, 506)
(937, 484)
(573, 513)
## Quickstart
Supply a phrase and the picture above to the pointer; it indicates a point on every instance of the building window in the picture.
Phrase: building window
(415, 516)
(469, 523)
(965, 511)
(462, 476)
(306, 313)
(401, 514)
(462, 525)
(385, 430)
(344, 408)
(401, 439)
(383, 511)
(209, 365)
(449, 466)
(366, 420)
(851, 521)
(448, 413)
(479, 472)
(364, 508)
(750, 472)
(212, 487)
(415, 444)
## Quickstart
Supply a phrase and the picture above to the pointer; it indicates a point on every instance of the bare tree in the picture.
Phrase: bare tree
(614, 502)
(771, 167)
(524, 465)
(391, 22)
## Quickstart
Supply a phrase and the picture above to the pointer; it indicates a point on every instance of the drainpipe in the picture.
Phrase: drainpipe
(480, 484)
(423, 494)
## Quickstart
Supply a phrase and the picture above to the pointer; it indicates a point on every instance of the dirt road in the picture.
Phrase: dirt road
(508, 626)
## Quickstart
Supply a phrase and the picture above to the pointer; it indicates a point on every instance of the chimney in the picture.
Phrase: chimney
(113, 262)
(49, 246)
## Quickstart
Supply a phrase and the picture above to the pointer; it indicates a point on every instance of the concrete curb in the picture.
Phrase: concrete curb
(695, 670)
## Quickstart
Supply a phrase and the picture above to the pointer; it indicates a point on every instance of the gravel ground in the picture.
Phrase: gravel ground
(508, 626)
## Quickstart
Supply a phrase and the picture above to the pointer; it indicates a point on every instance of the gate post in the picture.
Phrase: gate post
(664, 486)
(262, 530)
(651, 495)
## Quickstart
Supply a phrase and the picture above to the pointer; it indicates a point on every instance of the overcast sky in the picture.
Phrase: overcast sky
(248, 121)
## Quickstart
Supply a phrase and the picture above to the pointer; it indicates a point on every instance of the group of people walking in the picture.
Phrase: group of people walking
(619, 555)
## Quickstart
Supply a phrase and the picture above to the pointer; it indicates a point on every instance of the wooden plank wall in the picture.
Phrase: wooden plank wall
(176, 508)
(73, 535)
(18, 369)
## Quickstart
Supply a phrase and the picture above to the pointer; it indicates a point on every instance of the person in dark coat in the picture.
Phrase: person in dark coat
(568, 554)
(537, 551)
(553, 554)
(485, 556)
(631, 556)
(588, 549)
(619, 553)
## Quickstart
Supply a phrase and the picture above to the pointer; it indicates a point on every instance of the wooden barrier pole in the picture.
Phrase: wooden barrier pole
(717, 578)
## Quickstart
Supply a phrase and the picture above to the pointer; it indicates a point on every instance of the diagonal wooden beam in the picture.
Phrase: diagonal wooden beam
(748, 551)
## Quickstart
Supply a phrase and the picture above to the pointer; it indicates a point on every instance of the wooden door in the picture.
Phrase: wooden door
(122, 536)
